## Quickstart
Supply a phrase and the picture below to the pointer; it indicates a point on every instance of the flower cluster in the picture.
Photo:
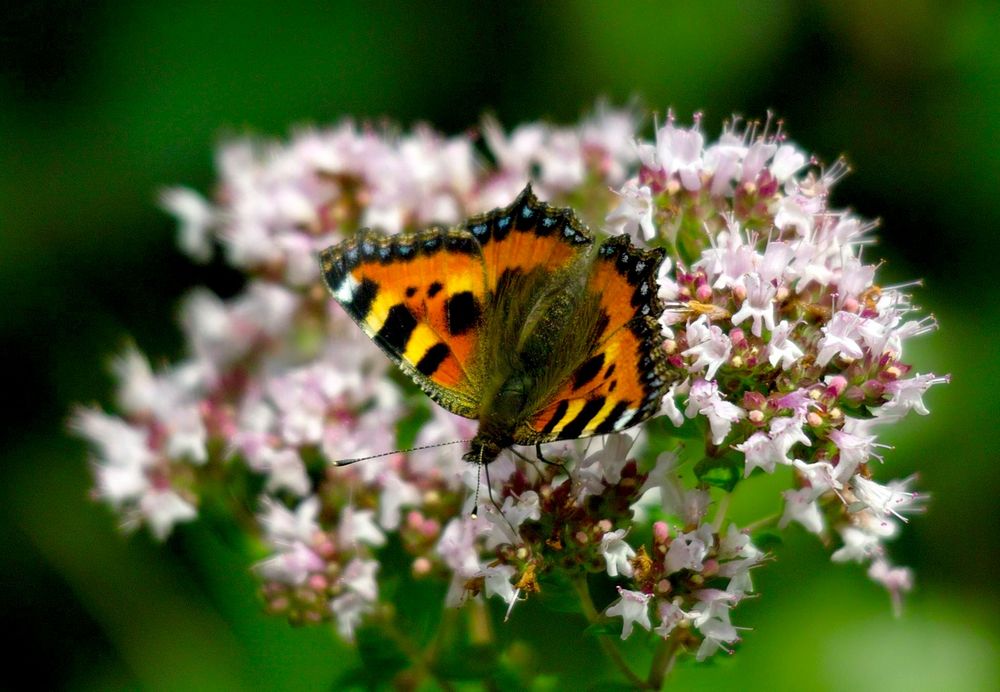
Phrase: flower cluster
(793, 352)
(788, 353)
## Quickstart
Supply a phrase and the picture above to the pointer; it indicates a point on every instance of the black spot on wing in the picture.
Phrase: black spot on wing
(433, 289)
(576, 426)
(362, 299)
(411, 291)
(463, 312)
(610, 371)
(588, 371)
(399, 325)
(432, 360)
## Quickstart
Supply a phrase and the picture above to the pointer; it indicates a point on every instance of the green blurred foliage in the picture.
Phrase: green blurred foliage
(101, 103)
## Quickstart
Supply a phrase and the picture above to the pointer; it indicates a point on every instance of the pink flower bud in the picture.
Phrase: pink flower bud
(661, 532)
(837, 385)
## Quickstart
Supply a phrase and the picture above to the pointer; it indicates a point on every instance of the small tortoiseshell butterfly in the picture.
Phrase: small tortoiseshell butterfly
(510, 318)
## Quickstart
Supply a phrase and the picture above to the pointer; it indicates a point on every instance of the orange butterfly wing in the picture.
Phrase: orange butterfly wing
(525, 236)
(421, 298)
(622, 380)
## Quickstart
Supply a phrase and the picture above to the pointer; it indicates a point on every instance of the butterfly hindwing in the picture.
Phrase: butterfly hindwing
(421, 298)
(624, 374)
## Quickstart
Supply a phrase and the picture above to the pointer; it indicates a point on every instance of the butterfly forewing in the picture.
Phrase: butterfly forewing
(527, 236)
(421, 298)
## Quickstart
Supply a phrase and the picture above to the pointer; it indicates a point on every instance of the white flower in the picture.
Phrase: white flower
(358, 526)
(711, 617)
(186, 434)
(687, 550)
(396, 493)
(760, 451)
(786, 432)
(859, 545)
(705, 400)
(679, 151)
(787, 162)
(611, 455)
(359, 597)
(349, 608)
(897, 580)
(285, 470)
(758, 304)
(908, 395)
(617, 553)
(820, 475)
(359, 577)
(138, 388)
(690, 505)
(633, 213)
(855, 447)
(457, 546)
(162, 509)
(633, 608)
(884, 500)
(196, 216)
(782, 349)
(292, 565)
(801, 507)
(496, 582)
(711, 346)
(671, 615)
(282, 526)
(119, 444)
(840, 336)
(669, 406)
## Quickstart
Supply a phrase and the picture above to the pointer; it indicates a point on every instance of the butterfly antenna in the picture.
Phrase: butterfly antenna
(479, 481)
(348, 462)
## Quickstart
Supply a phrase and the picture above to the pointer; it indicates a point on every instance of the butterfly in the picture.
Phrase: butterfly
(514, 319)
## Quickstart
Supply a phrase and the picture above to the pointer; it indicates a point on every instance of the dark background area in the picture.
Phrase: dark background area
(102, 103)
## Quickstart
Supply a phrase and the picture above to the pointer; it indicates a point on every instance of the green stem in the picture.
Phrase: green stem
(663, 661)
(720, 513)
(610, 650)
(762, 523)
(422, 662)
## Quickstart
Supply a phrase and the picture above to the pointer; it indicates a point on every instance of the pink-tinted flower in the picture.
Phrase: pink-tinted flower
(617, 553)
(705, 400)
(800, 506)
(633, 608)
(709, 346)
(757, 305)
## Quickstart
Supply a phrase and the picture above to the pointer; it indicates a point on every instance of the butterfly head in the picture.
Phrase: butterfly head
(485, 448)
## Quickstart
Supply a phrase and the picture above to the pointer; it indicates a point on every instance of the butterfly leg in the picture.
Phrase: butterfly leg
(541, 457)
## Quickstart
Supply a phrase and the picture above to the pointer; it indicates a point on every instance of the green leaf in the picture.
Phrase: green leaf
(557, 593)
(473, 662)
(767, 539)
(720, 472)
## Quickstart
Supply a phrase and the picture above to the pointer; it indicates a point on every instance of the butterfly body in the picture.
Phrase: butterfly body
(513, 319)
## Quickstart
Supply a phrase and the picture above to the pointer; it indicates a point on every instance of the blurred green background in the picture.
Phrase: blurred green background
(101, 103)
